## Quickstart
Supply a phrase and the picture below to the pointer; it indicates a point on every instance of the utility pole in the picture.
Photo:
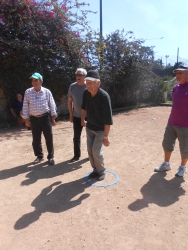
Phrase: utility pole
(101, 19)
(166, 60)
(177, 56)
(100, 41)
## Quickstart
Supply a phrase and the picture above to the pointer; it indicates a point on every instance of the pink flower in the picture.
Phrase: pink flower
(77, 34)
(64, 7)
(66, 18)
(34, 3)
(51, 14)
(48, 4)
(61, 40)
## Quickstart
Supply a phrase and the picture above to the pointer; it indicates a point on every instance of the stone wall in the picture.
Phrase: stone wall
(4, 107)
(62, 106)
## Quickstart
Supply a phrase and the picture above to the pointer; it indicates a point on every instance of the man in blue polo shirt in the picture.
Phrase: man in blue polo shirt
(16, 109)
(177, 126)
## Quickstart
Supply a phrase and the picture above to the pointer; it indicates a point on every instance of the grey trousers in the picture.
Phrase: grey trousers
(95, 149)
(170, 136)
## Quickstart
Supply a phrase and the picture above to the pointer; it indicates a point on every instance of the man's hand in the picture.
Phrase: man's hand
(83, 114)
(27, 123)
(53, 122)
(106, 142)
(83, 123)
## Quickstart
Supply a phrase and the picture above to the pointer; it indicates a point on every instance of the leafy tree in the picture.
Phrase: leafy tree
(43, 36)
(127, 69)
(158, 64)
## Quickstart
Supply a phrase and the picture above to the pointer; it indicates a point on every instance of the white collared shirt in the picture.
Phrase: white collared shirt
(37, 103)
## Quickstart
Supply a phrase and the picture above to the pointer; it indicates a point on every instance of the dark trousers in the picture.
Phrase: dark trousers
(39, 125)
(77, 134)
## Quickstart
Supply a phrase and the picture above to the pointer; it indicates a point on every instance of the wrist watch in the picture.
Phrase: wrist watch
(105, 137)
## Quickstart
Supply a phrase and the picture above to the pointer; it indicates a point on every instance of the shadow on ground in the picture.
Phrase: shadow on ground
(54, 201)
(14, 133)
(41, 171)
(159, 191)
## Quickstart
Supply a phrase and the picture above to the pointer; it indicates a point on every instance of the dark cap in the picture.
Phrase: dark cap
(92, 75)
(180, 67)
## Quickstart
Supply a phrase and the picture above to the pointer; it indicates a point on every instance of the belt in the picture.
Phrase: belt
(38, 116)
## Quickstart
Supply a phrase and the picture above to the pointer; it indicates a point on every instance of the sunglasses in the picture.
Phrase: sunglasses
(79, 75)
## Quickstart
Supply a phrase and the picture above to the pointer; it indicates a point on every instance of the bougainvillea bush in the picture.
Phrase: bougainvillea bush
(42, 36)
(53, 38)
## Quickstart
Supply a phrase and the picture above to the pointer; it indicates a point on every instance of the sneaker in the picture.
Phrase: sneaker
(75, 158)
(162, 167)
(38, 160)
(181, 171)
(101, 176)
(51, 161)
(92, 175)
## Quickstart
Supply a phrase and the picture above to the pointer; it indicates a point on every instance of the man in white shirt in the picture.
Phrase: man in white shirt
(39, 112)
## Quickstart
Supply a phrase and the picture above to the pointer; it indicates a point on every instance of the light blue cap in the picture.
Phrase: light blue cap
(36, 76)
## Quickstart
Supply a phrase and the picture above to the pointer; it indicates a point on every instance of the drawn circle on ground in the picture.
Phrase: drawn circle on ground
(101, 185)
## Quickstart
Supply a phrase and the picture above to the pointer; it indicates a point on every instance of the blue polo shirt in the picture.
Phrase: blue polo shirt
(17, 107)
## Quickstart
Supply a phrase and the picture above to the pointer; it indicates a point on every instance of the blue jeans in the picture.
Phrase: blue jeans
(95, 149)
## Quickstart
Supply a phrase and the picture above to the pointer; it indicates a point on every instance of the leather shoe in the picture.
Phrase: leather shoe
(101, 176)
(75, 158)
(93, 175)
(38, 160)
(51, 161)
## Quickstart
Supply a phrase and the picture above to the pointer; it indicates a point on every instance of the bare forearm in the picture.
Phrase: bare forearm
(106, 141)
(106, 130)
(83, 114)
(70, 110)
(70, 107)
(53, 117)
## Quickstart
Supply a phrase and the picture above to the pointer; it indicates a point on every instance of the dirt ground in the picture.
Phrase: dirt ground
(51, 207)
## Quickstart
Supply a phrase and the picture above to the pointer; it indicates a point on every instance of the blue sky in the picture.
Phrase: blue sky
(149, 20)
